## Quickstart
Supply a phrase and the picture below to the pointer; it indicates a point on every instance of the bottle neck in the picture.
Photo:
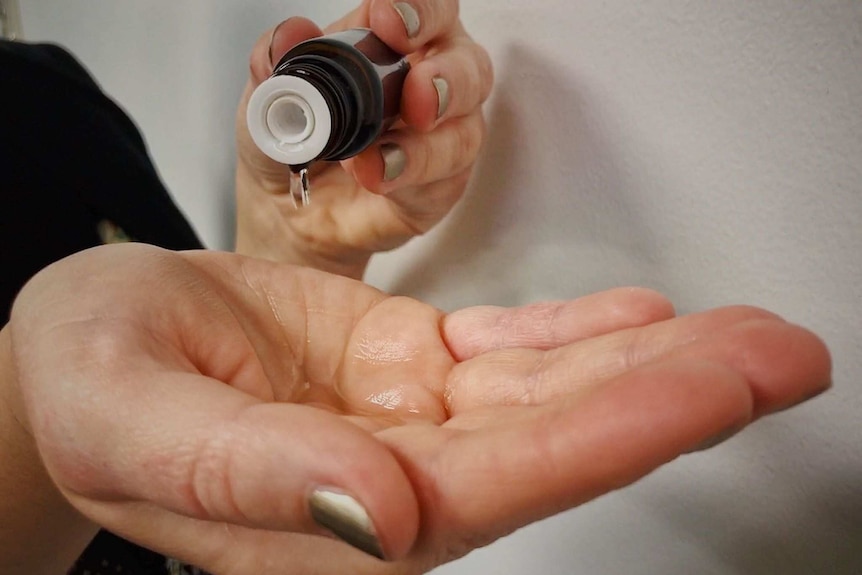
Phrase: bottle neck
(328, 99)
(342, 93)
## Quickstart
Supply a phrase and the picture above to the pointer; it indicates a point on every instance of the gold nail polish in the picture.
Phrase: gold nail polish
(394, 161)
(346, 518)
(409, 16)
(442, 88)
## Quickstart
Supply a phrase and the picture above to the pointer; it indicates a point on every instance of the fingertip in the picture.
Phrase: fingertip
(361, 494)
(365, 525)
(274, 43)
(447, 83)
(809, 371)
(367, 168)
(378, 168)
(289, 33)
(784, 364)
(641, 306)
(295, 468)
(425, 97)
(396, 23)
(407, 25)
(379, 482)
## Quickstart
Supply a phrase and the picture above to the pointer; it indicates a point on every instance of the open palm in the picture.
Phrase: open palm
(192, 403)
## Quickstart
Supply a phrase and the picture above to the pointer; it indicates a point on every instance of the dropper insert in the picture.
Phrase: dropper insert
(290, 119)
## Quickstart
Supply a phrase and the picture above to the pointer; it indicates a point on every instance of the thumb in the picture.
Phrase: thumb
(193, 447)
(268, 50)
(274, 43)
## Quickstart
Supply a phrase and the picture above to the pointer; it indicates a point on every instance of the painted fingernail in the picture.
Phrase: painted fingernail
(409, 16)
(394, 161)
(346, 518)
(442, 87)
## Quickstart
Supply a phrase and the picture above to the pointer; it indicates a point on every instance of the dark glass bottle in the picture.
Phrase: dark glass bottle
(329, 98)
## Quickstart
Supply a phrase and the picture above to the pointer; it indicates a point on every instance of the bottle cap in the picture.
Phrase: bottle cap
(289, 120)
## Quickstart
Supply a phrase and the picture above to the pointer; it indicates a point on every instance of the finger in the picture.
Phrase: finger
(785, 364)
(559, 456)
(181, 438)
(407, 158)
(498, 377)
(200, 449)
(274, 43)
(476, 330)
(451, 82)
(396, 369)
(408, 25)
(751, 346)
(221, 548)
(356, 18)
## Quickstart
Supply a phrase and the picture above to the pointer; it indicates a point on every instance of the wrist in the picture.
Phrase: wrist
(40, 531)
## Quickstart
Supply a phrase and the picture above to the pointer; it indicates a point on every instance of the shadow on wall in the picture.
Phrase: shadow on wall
(748, 543)
(748, 546)
(552, 211)
(555, 203)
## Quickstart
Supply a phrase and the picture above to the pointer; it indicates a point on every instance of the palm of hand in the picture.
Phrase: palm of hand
(451, 430)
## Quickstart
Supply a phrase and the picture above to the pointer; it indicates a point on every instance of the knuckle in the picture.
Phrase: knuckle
(210, 489)
(468, 140)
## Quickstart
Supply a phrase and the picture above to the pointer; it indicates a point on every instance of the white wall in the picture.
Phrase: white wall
(712, 150)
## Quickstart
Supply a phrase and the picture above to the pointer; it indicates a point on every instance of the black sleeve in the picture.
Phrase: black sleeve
(71, 158)
(72, 162)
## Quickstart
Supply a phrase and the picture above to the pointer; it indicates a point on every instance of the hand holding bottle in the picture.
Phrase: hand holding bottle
(406, 181)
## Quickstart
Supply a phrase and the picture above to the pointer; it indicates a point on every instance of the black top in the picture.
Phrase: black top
(71, 158)
(75, 173)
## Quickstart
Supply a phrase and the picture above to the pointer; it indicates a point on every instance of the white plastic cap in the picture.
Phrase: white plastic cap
(289, 120)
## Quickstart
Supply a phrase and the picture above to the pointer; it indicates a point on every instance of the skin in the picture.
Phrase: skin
(191, 401)
(354, 213)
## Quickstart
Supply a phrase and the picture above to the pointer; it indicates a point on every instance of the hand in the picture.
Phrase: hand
(192, 402)
(360, 207)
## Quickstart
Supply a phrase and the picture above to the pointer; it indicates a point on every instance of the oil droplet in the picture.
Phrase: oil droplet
(384, 351)
(300, 188)
(305, 185)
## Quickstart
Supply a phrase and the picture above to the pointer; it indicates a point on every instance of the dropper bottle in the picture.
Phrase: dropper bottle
(328, 99)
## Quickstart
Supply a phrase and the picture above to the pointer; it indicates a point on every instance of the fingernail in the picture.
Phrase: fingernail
(409, 16)
(272, 41)
(442, 87)
(394, 161)
(342, 515)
